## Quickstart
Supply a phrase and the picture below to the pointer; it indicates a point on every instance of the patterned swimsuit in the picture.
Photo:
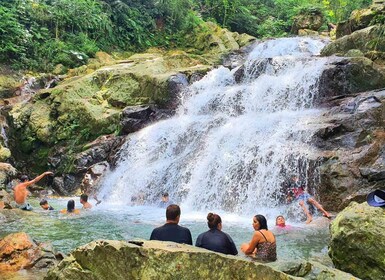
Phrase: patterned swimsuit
(266, 251)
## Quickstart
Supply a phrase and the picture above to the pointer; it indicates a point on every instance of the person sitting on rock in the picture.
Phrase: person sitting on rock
(296, 192)
(215, 239)
(171, 231)
(20, 191)
(70, 208)
(44, 204)
(84, 201)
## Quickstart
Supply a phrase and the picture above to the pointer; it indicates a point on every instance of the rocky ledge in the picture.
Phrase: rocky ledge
(108, 259)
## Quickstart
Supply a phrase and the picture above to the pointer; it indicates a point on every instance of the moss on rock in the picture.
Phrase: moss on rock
(357, 242)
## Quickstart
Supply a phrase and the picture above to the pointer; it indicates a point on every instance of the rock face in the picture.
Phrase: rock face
(357, 242)
(350, 75)
(56, 124)
(19, 251)
(107, 259)
(352, 148)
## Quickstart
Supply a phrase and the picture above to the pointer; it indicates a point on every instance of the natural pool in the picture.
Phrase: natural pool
(107, 221)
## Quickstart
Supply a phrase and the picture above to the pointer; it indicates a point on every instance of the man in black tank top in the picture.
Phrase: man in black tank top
(171, 231)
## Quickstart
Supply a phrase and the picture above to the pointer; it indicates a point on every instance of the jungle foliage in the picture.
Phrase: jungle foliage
(39, 34)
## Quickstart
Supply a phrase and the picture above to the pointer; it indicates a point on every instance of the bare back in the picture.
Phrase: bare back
(20, 192)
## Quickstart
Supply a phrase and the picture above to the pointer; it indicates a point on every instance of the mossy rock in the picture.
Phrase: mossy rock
(357, 242)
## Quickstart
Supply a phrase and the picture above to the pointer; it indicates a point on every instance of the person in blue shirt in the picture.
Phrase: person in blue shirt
(215, 239)
(171, 231)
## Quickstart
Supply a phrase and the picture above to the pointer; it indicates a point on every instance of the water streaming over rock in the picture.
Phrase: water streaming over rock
(235, 138)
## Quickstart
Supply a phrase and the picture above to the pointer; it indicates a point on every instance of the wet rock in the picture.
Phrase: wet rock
(97, 151)
(349, 76)
(176, 84)
(66, 184)
(352, 143)
(134, 118)
(19, 251)
(357, 242)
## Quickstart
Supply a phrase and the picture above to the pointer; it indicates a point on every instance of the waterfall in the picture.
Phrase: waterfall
(235, 138)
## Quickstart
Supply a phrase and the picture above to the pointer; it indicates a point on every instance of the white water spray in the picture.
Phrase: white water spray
(231, 144)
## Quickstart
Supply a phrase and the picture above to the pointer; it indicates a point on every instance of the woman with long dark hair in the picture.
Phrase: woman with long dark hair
(215, 239)
(262, 245)
(70, 208)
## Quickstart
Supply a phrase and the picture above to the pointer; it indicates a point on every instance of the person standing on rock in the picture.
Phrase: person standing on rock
(20, 191)
(171, 231)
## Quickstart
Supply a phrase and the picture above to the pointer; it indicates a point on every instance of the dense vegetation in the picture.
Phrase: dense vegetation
(38, 34)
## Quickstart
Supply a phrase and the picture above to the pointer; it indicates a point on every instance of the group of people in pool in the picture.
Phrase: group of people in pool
(262, 245)
(70, 205)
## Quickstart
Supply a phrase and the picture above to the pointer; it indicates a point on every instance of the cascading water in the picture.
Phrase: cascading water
(235, 136)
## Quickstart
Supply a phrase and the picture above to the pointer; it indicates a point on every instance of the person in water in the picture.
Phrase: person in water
(20, 191)
(297, 193)
(280, 223)
(165, 200)
(70, 208)
(263, 244)
(84, 201)
(171, 231)
(215, 239)
(44, 204)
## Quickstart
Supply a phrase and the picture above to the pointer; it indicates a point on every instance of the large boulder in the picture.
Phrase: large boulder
(310, 19)
(348, 76)
(357, 242)
(7, 173)
(366, 40)
(108, 259)
(19, 251)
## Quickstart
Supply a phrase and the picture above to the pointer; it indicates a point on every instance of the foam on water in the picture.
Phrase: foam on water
(231, 144)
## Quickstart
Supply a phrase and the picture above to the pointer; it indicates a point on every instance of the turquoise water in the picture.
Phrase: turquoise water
(136, 222)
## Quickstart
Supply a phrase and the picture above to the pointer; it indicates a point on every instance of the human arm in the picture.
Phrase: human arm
(38, 178)
(189, 238)
(231, 246)
(248, 248)
(198, 242)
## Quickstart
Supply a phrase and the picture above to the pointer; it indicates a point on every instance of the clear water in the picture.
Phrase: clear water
(109, 221)
(227, 150)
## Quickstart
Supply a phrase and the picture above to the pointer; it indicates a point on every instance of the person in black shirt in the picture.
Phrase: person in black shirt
(215, 239)
(171, 231)
(44, 204)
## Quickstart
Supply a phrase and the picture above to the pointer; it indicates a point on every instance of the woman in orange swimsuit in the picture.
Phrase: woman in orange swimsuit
(262, 246)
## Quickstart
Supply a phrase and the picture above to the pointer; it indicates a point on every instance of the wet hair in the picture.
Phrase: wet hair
(262, 221)
(24, 178)
(172, 212)
(213, 220)
(165, 194)
(70, 205)
(84, 197)
(43, 202)
(279, 216)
